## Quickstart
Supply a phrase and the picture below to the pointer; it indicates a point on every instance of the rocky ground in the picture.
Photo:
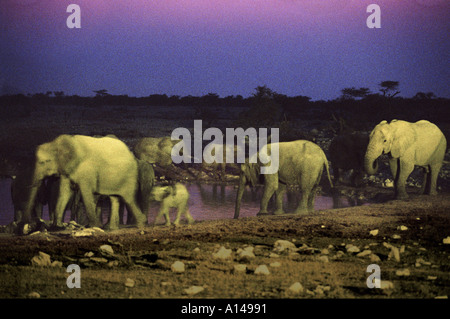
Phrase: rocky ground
(325, 254)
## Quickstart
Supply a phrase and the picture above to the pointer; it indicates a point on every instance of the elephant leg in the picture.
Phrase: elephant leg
(189, 217)
(270, 187)
(279, 196)
(113, 222)
(432, 188)
(404, 171)
(139, 217)
(90, 204)
(311, 199)
(63, 198)
(425, 188)
(163, 211)
(336, 174)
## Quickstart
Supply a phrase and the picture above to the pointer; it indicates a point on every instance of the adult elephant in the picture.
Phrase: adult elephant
(216, 156)
(156, 150)
(408, 144)
(346, 153)
(99, 166)
(300, 163)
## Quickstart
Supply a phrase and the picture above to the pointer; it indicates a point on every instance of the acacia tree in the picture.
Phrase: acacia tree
(389, 88)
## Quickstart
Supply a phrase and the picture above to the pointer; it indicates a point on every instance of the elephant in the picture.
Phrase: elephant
(301, 162)
(158, 151)
(346, 152)
(172, 196)
(408, 144)
(223, 149)
(98, 166)
(20, 190)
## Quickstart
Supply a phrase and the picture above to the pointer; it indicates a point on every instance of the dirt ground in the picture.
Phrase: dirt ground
(404, 238)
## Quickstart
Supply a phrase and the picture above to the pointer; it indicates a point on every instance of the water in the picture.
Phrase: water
(206, 202)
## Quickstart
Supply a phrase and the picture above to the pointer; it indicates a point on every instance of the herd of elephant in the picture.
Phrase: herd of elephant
(77, 168)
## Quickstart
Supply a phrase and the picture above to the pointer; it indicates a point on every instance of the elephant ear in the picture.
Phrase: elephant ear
(403, 137)
(68, 156)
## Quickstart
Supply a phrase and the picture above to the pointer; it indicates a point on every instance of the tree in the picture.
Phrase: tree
(389, 88)
(352, 93)
(102, 92)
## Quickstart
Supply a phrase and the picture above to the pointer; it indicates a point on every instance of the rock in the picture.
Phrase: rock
(296, 288)
(41, 260)
(386, 284)
(431, 277)
(402, 228)
(106, 250)
(262, 270)
(177, 267)
(129, 283)
(395, 252)
(56, 263)
(275, 264)
(323, 259)
(446, 240)
(388, 183)
(34, 295)
(193, 290)
(99, 260)
(89, 254)
(374, 232)
(222, 253)
(273, 255)
(396, 236)
(239, 268)
(374, 258)
(403, 272)
(283, 245)
(246, 255)
(364, 253)
(352, 248)
(325, 251)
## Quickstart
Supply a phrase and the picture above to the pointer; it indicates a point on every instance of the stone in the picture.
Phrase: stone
(364, 253)
(396, 236)
(283, 245)
(222, 253)
(89, 254)
(41, 260)
(262, 270)
(246, 255)
(275, 264)
(403, 272)
(402, 228)
(374, 232)
(129, 283)
(56, 263)
(99, 260)
(106, 250)
(386, 284)
(296, 288)
(239, 268)
(273, 255)
(323, 259)
(177, 267)
(352, 248)
(193, 290)
(375, 258)
(34, 295)
(446, 240)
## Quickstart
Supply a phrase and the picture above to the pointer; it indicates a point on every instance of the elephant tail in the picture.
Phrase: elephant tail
(325, 161)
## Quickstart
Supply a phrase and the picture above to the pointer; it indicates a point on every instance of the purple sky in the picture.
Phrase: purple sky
(229, 47)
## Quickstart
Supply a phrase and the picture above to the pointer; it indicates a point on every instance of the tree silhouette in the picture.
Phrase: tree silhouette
(389, 88)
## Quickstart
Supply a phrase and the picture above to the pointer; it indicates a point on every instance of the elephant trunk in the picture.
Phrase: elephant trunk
(370, 159)
(240, 192)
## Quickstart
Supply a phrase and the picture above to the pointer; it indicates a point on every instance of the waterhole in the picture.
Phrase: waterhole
(206, 202)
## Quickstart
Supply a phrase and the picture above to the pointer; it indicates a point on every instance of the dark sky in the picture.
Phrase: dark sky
(229, 47)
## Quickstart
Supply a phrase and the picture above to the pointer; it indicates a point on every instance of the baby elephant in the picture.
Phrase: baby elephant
(172, 196)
